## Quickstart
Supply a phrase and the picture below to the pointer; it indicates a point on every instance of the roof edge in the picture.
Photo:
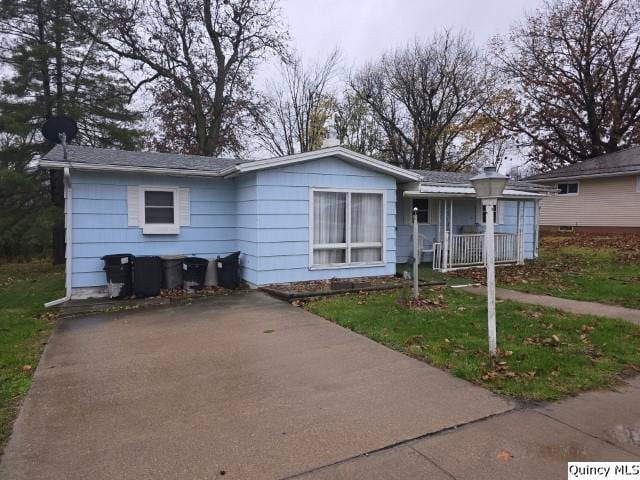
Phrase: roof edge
(44, 163)
(584, 175)
(339, 152)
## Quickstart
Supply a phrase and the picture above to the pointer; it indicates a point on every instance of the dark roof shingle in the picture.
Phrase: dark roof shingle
(106, 156)
(627, 160)
(432, 176)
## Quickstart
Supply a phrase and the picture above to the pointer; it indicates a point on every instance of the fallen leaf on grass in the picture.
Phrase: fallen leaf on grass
(26, 368)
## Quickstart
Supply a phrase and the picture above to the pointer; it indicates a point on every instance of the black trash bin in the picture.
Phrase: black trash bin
(172, 271)
(117, 266)
(194, 270)
(147, 276)
(229, 270)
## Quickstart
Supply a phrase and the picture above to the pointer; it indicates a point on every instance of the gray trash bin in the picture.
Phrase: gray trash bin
(172, 271)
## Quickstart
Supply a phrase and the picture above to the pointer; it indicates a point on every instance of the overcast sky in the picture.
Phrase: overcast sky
(363, 29)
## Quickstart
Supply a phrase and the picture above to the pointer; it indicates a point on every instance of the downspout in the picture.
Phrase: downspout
(68, 218)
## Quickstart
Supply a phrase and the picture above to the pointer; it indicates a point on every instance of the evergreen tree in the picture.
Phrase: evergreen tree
(51, 68)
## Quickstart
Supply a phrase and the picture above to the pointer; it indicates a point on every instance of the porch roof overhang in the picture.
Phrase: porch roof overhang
(448, 191)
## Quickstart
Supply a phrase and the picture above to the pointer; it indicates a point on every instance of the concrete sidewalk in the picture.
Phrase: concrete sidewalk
(523, 444)
(573, 306)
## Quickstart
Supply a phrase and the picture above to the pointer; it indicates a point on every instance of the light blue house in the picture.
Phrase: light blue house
(317, 215)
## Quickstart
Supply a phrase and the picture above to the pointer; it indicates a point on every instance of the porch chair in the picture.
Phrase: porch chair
(421, 246)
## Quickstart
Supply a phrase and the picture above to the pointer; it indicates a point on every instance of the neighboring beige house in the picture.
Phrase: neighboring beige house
(600, 194)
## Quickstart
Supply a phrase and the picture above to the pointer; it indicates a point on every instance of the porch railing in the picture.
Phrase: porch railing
(467, 250)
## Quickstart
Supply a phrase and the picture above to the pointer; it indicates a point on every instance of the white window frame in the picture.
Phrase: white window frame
(347, 246)
(499, 212)
(569, 194)
(160, 228)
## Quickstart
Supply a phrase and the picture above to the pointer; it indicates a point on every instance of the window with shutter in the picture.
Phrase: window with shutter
(159, 210)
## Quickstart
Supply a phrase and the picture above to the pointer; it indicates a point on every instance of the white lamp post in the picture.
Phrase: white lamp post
(489, 185)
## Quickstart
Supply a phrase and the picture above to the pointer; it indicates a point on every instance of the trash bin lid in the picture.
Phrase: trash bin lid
(195, 261)
(172, 257)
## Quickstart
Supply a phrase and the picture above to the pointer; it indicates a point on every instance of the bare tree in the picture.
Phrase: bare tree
(294, 111)
(356, 126)
(574, 67)
(204, 51)
(428, 98)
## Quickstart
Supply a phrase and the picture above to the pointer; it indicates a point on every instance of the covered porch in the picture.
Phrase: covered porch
(451, 225)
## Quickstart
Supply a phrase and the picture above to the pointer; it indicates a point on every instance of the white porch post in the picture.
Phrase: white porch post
(520, 236)
(445, 242)
(489, 239)
(416, 254)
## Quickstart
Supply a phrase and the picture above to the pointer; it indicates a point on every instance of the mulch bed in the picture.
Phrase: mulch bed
(166, 297)
(319, 288)
(182, 293)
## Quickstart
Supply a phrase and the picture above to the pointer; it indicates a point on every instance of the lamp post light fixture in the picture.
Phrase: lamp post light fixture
(488, 186)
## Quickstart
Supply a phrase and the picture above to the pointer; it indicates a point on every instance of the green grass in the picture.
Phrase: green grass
(426, 273)
(23, 330)
(547, 354)
(579, 273)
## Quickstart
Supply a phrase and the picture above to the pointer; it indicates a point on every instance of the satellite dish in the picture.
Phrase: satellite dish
(60, 129)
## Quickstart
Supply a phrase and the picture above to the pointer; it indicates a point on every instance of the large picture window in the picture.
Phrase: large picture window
(347, 228)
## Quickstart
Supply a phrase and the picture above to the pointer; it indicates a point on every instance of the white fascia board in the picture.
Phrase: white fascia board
(128, 169)
(338, 152)
(467, 192)
(631, 173)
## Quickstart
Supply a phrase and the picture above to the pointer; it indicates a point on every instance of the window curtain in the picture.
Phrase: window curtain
(329, 217)
(366, 226)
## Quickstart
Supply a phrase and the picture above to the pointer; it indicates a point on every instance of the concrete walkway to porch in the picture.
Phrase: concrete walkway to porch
(573, 306)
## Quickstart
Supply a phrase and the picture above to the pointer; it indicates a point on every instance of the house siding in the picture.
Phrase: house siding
(282, 219)
(601, 202)
(264, 215)
(100, 222)
(464, 213)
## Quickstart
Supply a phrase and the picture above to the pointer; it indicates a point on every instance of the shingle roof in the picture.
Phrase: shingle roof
(612, 163)
(430, 176)
(106, 156)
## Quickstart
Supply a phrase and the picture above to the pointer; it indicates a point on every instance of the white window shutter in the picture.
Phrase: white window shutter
(185, 206)
(133, 206)
(478, 211)
(500, 214)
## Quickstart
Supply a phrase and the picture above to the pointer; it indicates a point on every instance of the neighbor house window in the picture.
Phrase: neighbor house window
(422, 204)
(568, 188)
(347, 228)
(159, 210)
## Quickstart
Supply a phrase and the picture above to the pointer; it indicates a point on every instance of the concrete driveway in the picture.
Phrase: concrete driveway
(238, 387)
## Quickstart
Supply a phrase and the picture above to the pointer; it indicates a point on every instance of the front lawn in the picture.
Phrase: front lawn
(603, 269)
(545, 354)
(24, 288)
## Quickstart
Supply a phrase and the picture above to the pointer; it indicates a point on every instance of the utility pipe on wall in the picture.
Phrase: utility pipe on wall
(68, 224)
